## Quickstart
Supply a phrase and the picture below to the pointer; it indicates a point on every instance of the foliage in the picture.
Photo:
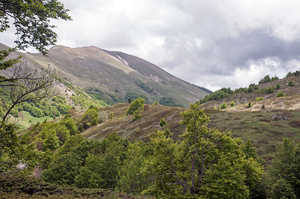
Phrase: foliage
(277, 86)
(267, 79)
(232, 103)
(291, 83)
(15, 149)
(214, 96)
(259, 98)
(31, 20)
(137, 104)
(249, 104)
(90, 117)
(136, 115)
(280, 94)
(284, 170)
(206, 163)
(224, 105)
(162, 122)
(51, 142)
(111, 115)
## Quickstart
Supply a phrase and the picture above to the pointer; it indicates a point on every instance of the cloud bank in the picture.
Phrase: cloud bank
(212, 43)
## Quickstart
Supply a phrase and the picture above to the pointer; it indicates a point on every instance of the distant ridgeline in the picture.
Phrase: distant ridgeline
(225, 92)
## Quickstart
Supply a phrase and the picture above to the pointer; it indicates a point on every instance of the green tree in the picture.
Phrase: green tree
(137, 104)
(249, 104)
(51, 142)
(232, 103)
(277, 86)
(291, 83)
(90, 117)
(224, 105)
(206, 163)
(162, 122)
(280, 94)
(32, 21)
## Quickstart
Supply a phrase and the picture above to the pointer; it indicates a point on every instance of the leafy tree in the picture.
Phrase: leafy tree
(249, 104)
(250, 89)
(51, 142)
(291, 83)
(224, 105)
(232, 103)
(137, 104)
(277, 86)
(32, 21)
(285, 170)
(280, 94)
(63, 170)
(167, 101)
(206, 163)
(136, 115)
(162, 122)
(259, 98)
(90, 117)
(255, 87)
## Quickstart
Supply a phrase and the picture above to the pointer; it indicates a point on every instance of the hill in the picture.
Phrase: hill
(270, 101)
(113, 77)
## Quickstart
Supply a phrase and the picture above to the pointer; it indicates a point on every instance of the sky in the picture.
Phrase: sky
(210, 43)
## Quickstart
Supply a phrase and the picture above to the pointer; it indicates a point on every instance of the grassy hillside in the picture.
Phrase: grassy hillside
(257, 126)
(270, 101)
(113, 77)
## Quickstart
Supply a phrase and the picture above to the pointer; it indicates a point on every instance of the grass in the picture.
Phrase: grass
(25, 117)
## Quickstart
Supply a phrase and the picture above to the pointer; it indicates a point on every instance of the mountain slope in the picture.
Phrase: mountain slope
(115, 76)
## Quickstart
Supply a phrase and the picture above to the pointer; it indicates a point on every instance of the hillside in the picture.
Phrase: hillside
(113, 77)
(291, 99)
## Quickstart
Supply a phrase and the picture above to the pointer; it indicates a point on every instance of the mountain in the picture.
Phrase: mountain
(113, 76)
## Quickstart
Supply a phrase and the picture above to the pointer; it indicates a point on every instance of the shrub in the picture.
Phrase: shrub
(263, 106)
(90, 117)
(136, 114)
(219, 108)
(277, 86)
(224, 105)
(232, 103)
(259, 98)
(162, 122)
(279, 94)
(111, 115)
(135, 105)
(291, 83)
(249, 104)
(255, 87)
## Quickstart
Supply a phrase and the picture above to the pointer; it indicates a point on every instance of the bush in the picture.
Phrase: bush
(259, 98)
(279, 94)
(137, 115)
(255, 87)
(249, 104)
(232, 103)
(277, 86)
(135, 105)
(291, 83)
(90, 117)
(224, 105)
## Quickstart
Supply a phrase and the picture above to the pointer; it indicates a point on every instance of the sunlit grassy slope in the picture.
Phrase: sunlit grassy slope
(25, 120)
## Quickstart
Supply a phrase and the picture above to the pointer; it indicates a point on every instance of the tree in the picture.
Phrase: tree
(51, 142)
(280, 94)
(137, 104)
(232, 103)
(32, 21)
(249, 104)
(224, 105)
(277, 86)
(206, 163)
(291, 83)
(162, 122)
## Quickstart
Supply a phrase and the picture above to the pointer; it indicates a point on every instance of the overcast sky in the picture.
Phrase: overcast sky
(210, 43)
